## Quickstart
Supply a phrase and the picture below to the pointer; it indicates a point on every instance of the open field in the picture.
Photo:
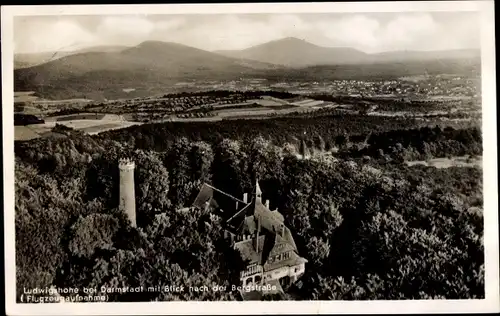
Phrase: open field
(239, 110)
(190, 119)
(215, 106)
(462, 161)
(309, 103)
(24, 133)
(96, 125)
(105, 127)
(265, 102)
(29, 96)
(88, 123)
(26, 98)
(85, 116)
(23, 96)
(246, 112)
(253, 112)
(56, 102)
(271, 101)
(228, 104)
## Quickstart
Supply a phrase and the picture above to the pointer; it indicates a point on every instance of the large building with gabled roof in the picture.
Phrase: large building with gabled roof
(260, 235)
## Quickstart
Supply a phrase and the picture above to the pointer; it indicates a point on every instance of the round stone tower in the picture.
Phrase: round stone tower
(127, 191)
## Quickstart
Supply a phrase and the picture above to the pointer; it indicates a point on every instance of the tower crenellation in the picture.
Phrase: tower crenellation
(126, 163)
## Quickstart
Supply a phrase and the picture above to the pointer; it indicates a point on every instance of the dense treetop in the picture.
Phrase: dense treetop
(370, 226)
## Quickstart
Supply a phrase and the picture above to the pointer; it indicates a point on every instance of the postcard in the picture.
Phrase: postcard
(250, 158)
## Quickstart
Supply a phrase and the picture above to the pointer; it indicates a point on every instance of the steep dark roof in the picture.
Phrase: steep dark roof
(273, 244)
(278, 215)
(269, 220)
(237, 220)
(249, 225)
(247, 250)
(219, 200)
(205, 194)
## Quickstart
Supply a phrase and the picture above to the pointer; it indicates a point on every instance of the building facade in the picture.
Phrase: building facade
(264, 242)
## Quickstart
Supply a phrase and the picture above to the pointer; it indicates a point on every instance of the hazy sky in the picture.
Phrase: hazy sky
(369, 32)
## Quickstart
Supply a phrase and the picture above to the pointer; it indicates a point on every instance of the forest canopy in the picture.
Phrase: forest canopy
(371, 226)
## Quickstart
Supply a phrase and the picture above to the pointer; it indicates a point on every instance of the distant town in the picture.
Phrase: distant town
(414, 87)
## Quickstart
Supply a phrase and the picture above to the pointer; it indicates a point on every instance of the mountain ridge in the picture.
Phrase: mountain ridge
(296, 53)
(153, 66)
(150, 63)
(305, 54)
(25, 60)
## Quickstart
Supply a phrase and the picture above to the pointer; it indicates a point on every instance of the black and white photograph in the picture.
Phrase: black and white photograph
(303, 154)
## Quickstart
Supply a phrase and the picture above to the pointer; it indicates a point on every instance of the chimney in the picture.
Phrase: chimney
(258, 192)
(257, 233)
(267, 204)
(245, 197)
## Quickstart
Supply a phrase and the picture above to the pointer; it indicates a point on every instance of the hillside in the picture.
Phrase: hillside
(298, 53)
(294, 52)
(152, 67)
(25, 60)
(462, 54)
(382, 70)
(147, 66)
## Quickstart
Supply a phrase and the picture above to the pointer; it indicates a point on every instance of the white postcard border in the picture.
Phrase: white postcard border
(491, 302)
